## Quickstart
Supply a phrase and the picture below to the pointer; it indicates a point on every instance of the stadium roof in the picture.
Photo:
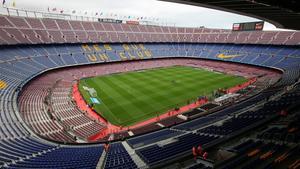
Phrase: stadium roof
(281, 13)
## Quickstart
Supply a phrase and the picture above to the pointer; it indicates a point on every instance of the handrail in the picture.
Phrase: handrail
(9, 11)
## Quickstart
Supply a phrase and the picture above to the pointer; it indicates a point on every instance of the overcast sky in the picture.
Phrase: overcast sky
(179, 14)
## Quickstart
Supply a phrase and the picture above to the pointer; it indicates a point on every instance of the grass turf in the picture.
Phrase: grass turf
(130, 97)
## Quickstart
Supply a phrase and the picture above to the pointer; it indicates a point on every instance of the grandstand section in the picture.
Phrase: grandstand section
(45, 123)
(47, 31)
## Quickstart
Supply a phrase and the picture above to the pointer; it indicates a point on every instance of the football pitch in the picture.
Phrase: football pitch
(131, 97)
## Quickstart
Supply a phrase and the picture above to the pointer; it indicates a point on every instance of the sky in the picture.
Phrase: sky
(158, 11)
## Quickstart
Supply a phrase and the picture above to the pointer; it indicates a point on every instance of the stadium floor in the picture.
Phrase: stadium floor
(131, 97)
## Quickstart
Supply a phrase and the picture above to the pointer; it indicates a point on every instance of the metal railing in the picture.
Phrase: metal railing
(38, 14)
(9, 11)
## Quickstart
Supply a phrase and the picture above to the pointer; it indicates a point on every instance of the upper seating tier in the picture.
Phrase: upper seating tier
(23, 30)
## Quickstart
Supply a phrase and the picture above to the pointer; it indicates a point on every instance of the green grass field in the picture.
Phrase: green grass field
(131, 97)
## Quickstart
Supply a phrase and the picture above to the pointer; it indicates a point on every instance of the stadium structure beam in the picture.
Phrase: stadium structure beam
(273, 13)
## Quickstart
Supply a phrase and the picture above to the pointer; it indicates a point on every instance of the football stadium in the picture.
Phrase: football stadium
(96, 89)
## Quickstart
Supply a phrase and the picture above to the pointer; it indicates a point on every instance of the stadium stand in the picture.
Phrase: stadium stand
(65, 157)
(42, 127)
(63, 120)
(15, 31)
(118, 157)
(156, 153)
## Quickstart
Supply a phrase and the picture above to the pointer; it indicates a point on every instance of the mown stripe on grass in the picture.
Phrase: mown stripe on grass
(137, 96)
